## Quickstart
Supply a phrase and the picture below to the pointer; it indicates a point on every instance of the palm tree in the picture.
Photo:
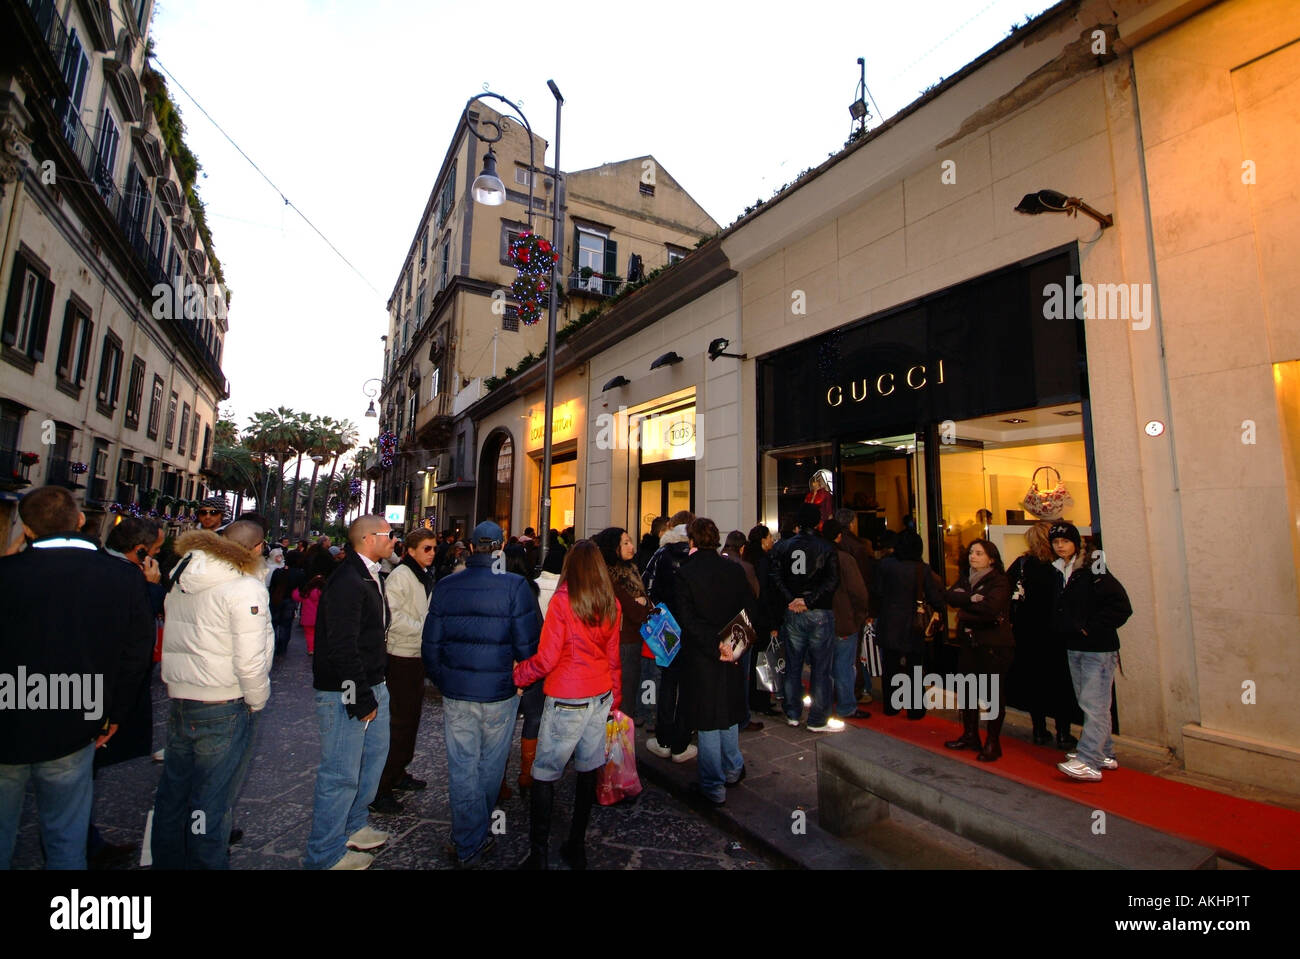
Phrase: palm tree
(322, 445)
(344, 438)
(275, 433)
(307, 426)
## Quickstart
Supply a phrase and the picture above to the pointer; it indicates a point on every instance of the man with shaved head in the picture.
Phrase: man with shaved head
(351, 702)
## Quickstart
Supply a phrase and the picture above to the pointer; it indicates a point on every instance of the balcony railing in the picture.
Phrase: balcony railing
(597, 284)
(13, 471)
(61, 474)
(50, 26)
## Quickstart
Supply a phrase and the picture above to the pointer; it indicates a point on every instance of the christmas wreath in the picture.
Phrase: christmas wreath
(533, 258)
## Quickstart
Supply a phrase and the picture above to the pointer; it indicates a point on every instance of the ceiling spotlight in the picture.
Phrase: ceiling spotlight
(1069, 413)
(668, 359)
(615, 383)
(1015, 419)
(718, 346)
(1052, 201)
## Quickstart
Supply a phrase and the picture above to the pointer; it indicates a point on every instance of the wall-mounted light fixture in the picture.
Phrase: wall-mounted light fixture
(615, 383)
(1051, 201)
(668, 359)
(718, 346)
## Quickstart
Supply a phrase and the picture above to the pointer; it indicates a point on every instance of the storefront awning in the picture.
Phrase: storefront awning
(448, 487)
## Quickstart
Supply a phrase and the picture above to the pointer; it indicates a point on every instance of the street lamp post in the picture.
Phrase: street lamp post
(490, 191)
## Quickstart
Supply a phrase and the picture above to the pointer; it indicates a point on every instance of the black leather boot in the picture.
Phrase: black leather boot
(1063, 738)
(992, 750)
(1041, 736)
(970, 737)
(541, 799)
(574, 851)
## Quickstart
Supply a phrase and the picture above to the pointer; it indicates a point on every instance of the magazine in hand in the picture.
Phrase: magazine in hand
(739, 633)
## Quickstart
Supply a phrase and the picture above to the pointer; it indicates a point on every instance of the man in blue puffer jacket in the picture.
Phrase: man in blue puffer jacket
(481, 622)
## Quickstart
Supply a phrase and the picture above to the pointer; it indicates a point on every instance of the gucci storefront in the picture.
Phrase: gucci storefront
(939, 413)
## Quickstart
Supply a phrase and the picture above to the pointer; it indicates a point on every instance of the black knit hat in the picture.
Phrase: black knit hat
(1065, 531)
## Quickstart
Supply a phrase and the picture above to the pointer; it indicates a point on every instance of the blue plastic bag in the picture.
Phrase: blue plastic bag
(662, 634)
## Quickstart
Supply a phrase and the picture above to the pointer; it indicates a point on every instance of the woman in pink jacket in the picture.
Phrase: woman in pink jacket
(309, 596)
(578, 655)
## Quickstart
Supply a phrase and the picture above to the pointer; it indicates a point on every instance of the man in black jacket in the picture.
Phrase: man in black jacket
(672, 733)
(1089, 606)
(69, 667)
(805, 575)
(351, 702)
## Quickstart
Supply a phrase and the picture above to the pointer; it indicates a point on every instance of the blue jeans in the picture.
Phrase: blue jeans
(845, 674)
(208, 749)
(1093, 674)
(530, 704)
(352, 757)
(719, 761)
(572, 727)
(478, 745)
(63, 799)
(809, 634)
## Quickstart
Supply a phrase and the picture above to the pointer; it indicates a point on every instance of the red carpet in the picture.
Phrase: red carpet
(1241, 830)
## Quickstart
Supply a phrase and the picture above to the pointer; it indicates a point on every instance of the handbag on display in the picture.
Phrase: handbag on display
(925, 621)
(738, 634)
(869, 652)
(1047, 503)
(662, 634)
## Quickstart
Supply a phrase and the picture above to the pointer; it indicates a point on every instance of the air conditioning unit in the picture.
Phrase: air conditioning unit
(442, 463)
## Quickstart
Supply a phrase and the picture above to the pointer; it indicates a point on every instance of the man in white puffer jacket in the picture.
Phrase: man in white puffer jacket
(217, 649)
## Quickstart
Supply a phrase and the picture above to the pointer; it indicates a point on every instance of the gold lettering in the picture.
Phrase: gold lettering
(916, 386)
(880, 389)
(941, 371)
(853, 388)
(839, 396)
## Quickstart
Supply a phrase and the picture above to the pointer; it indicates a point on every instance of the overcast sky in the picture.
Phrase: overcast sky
(348, 105)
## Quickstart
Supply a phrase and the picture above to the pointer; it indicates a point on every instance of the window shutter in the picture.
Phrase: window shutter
(65, 340)
(611, 258)
(43, 324)
(83, 359)
(577, 236)
(10, 334)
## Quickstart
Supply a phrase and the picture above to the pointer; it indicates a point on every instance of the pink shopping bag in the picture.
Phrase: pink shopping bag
(618, 779)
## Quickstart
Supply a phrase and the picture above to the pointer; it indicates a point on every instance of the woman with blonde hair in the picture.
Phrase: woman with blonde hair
(1040, 677)
(579, 657)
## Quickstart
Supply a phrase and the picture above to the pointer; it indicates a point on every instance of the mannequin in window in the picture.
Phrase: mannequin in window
(819, 494)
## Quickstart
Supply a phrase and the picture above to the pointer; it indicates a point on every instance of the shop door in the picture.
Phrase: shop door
(666, 488)
(882, 480)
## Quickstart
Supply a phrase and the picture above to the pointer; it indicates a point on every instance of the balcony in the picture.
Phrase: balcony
(51, 28)
(13, 471)
(594, 284)
(61, 474)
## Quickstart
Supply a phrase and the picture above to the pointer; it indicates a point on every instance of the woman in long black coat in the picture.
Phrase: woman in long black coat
(902, 648)
(711, 590)
(983, 602)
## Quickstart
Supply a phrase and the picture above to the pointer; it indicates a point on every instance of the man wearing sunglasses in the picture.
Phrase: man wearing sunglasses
(408, 587)
(351, 702)
(212, 513)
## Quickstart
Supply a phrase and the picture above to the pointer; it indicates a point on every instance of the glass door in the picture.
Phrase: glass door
(882, 480)
(665, 488)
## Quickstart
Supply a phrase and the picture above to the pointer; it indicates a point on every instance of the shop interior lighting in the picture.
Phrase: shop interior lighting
(668, 359)
(1053, 201)
(1015, 419)
(615, 383)
(1068, 413)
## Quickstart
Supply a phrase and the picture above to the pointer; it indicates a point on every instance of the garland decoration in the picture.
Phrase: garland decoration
(387, 448)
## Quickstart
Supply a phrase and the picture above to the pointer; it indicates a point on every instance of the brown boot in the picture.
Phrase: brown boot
(970, 737)
(527, 753)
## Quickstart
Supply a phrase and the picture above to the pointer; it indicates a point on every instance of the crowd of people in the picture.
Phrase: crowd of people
(505, 635)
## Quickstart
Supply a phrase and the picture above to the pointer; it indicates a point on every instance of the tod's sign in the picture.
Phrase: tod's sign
(915, 377)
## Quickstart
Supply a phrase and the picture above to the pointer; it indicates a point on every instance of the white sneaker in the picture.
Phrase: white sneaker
(791, 722)
(1111, 763)
(354, 860)
(367, 838)
(1077, 769)
(832, 725)
(159, 755)
(652, 744)
(686, 755)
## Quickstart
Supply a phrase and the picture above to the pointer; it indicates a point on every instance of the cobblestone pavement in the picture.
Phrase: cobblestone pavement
(274, 809)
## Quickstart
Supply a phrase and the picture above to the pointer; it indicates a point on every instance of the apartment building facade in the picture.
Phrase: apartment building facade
(453, 320)
(114, 313)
